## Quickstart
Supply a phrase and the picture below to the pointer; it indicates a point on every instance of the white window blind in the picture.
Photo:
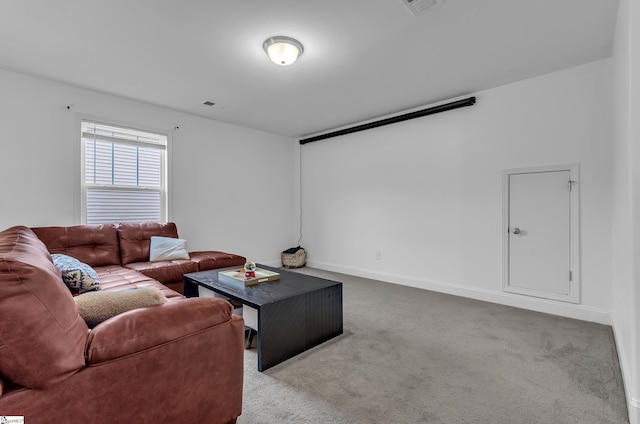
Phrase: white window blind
(123, 178)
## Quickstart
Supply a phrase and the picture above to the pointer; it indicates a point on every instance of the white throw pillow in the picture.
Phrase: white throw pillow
(167, 248)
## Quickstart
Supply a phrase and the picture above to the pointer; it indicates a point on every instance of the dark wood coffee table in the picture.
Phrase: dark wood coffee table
(295, 313)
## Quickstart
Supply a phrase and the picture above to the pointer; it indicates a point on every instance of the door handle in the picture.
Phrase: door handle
(516, 230)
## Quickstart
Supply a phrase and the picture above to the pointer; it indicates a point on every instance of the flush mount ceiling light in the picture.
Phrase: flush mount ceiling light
(282, 50)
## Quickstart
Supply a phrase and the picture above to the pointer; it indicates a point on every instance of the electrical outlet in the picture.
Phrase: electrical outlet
(378, 255)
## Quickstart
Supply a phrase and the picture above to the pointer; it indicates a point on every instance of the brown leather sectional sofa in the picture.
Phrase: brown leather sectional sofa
(181, 361)
(117, 250)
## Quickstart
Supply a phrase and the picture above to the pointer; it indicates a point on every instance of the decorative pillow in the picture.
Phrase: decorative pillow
(167, 248)
(75, 274)
(99, 306)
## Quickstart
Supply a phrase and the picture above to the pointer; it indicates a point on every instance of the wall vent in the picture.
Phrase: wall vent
(418, 7)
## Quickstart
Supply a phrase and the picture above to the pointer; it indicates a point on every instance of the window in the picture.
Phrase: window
(123, 175)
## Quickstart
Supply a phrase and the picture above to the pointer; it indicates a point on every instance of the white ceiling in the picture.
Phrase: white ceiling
(363, 58)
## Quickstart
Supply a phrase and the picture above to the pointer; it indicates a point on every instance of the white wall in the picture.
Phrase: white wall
(426, 193)
(230, 185)
(626, 201)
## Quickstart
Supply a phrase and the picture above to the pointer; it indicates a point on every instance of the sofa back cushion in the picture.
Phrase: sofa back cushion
(42, 336)
(95, 245)
(135, 239)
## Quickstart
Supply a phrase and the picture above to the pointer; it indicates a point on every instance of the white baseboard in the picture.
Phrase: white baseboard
(633, 404)
(553, 307)
(634, 411)
(276, 263)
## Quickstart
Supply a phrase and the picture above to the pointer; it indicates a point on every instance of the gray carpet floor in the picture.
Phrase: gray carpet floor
(414, 356)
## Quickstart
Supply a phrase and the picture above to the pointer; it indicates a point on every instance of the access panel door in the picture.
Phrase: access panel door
(539, 233)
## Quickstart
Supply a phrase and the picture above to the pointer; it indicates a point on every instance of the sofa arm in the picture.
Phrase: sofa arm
(141, 329)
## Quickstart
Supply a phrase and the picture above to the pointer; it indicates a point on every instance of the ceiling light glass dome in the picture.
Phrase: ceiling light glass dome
(283, 50)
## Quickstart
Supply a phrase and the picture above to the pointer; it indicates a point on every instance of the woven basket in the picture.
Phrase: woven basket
(294, 260)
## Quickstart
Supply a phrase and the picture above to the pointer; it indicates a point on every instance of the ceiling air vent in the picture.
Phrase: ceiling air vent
(418, 7)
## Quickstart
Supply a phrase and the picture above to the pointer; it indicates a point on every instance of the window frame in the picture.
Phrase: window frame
(165, 166)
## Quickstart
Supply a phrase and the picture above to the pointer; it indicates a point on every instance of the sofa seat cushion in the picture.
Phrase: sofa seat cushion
(115, 277)
(207, 260)
(42, 336)
(95, 245)
(165, 271)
